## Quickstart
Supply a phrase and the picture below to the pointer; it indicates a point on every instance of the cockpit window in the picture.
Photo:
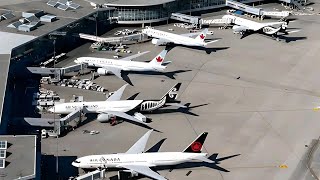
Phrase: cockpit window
(76, 161)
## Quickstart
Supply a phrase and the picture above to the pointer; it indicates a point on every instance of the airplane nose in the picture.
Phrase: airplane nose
(76, 163)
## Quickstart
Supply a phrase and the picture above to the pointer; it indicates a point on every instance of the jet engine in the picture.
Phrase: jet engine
(157, 42)
(104, 117)
(236, 30)
(102, 71)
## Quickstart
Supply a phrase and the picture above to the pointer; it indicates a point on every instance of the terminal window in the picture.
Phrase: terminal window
(3, 144)
(2, 153)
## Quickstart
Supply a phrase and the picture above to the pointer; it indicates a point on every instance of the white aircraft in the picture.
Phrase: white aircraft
(137, 161)
(243, 26)
(163, 38)
(113, 106)
(113, 66)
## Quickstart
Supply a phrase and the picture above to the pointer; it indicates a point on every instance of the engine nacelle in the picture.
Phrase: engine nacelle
(104, 117)
(235, 29)
(102, 71)
(157, 42)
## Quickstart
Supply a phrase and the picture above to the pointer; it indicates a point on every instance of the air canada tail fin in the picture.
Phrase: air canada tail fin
(158, 60)
(172, 94)
(202, 35)
(196, 145)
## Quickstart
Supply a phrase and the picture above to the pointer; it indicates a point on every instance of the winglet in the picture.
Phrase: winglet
(140, 145)
(116, 96)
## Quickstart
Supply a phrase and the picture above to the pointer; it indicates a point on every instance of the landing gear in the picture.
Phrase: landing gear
(113, 121)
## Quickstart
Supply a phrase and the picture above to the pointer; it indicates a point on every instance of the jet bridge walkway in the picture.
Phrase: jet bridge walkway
(219, 22)
(59, 125)
(244, 7)
(185, 18)
(94, 175)
(257, 11)
(57, 72)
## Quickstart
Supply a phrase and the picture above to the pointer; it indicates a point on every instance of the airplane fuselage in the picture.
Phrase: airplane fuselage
(172, 38)
(254, 26)
(125, 65)
(95, 106)
(147, 159)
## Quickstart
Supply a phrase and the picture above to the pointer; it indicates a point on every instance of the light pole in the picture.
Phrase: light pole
(54, 52)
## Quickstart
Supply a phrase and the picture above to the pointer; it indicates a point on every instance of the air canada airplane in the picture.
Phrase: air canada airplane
(113, 66)
(137, 161)
(113, 106)
(243, 26)
(164, 38)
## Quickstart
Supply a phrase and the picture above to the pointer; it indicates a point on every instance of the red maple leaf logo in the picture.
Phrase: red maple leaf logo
(196, 146)
(202, 36)
(159, 59)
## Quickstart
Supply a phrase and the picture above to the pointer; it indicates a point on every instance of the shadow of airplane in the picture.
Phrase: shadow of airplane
(133, 96)
(208, 50)
(156, 147)
(214, 165)
(180, 109)
(275, 37)
(290, 39)
(171, 74)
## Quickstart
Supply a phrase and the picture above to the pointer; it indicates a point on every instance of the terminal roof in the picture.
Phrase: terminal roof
(20, 161)
(132, 2)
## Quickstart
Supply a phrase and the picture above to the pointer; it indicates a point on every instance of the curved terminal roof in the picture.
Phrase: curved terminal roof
(127, 3)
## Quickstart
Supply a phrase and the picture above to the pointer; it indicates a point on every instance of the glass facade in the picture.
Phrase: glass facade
(155, 13)
(143, 13)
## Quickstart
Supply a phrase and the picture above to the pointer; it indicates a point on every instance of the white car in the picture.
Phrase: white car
(210, 33)
(43, 133)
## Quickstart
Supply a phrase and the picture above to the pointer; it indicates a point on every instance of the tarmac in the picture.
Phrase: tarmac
(255, 96)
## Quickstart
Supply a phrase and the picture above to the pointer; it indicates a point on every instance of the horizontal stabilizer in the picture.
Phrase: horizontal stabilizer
(204, 159)
(166, 63)
(211, 42)
(177, 105)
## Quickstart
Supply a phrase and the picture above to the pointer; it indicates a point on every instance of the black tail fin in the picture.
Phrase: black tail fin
(172, 94)
(196, 145)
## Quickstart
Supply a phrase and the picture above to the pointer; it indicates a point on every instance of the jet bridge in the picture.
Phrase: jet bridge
(219, 22)
(94, 175)
(57, 72)
(244, 7)
(185, 18)
(59, 125)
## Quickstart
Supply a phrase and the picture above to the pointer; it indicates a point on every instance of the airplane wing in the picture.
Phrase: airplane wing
(99, 39)
(144, 170)
(140, 145)
(116, 96)
(163, 41)
(129, 58)
(240, 28)
(115, 70)
(123, 115)
(191, 34)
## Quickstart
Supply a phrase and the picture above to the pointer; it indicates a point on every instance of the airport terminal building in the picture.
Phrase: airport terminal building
(144, 11)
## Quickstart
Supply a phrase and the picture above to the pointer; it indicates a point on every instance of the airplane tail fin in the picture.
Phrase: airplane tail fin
(158, 60)
(196, 145)
(202, 35)
(172, 94)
